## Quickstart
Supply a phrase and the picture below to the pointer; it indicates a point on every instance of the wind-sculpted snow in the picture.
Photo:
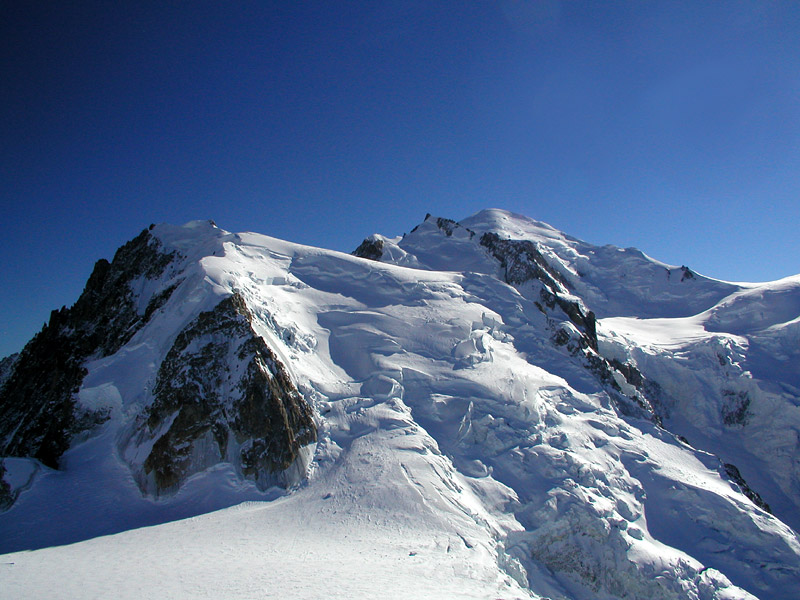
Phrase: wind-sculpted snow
(477, 435)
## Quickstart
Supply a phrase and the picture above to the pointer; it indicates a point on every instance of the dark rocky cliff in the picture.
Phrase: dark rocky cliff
(522, 262)
(38, 412)
(221, 394)
(371, 248)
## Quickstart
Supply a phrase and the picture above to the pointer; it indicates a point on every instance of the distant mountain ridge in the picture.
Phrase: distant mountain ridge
(590, 421)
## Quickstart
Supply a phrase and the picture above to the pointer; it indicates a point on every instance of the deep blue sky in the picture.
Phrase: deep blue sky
(670, 126)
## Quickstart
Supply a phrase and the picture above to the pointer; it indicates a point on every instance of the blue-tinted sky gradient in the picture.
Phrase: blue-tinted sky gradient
(670, 126)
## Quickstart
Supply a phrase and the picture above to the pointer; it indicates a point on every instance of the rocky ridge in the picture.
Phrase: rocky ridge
(220, 394)
(39, 415)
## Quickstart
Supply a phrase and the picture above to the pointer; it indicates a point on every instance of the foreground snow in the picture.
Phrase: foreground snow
(370, 535)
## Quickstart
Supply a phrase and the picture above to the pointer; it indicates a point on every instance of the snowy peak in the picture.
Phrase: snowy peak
(513, 226)
(611, 281)
(220, 394)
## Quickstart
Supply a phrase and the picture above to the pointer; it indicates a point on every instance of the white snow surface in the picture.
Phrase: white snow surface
(461, 454)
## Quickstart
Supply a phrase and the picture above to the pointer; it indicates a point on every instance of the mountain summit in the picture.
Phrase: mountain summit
(483, 408)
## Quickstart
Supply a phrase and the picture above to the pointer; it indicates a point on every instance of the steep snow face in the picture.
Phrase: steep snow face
(478, 434)
(612, 281)
(730, 383)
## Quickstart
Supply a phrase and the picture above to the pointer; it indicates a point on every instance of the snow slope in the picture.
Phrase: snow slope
(461, 451)
(729, 380)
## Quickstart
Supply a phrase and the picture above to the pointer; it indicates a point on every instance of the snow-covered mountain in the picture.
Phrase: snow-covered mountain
(483, 409)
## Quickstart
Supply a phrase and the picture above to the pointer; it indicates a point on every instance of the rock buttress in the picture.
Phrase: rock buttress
(221, 395)
(39, 415)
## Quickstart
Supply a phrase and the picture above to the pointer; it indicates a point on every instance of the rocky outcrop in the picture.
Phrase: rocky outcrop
(446, 225)
(38, 413)
(583, 319)
(7, 495)
(522, 262)
(632, 393)
(7, 367)
(735, 408)
(371, 248)
(221, 395)
(733, 474)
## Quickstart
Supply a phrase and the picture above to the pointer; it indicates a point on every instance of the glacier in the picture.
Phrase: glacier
(487, 408)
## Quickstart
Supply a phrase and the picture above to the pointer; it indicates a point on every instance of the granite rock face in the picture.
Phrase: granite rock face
(38, 413)
(7, 365)
(7, 495)
(371, 248)
(521, 263)
(221, 395)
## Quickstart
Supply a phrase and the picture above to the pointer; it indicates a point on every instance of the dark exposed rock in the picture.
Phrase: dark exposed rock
(371, 248)
(222, 395)
(735, 408)
(158, 300)
(637, 405)
(7, 496)
(630, 372)
(641, 404)
(446, 225)
(561, 338)
(38, 412)
(584, 321)
(522, 261)
(427, 216)
(7, 367)
(736, 477)
(37, 409)
(686, 273)
(649, 389)
(600, 367)
(106, 310)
